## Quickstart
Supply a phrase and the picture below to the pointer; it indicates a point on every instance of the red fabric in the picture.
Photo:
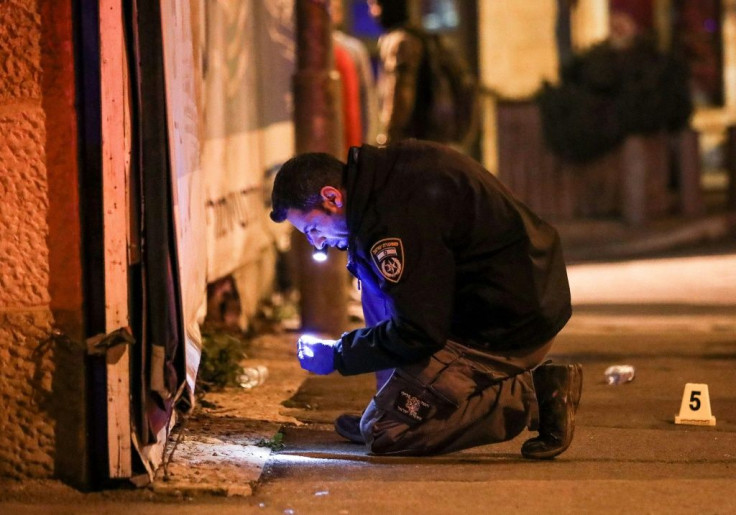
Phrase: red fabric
(352, 122)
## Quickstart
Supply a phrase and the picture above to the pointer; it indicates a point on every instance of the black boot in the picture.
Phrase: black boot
(558, 395)
(348, 426)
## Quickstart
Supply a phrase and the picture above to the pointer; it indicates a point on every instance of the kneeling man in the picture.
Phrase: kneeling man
(463, 288)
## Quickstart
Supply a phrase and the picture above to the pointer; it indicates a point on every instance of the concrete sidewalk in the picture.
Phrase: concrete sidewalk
(672, 319)
(628, 454)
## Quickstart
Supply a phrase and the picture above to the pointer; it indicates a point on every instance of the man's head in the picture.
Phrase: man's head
(337, 13)
(308, 193)
(389, 13)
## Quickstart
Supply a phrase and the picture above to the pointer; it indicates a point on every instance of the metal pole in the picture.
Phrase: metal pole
(322, 286)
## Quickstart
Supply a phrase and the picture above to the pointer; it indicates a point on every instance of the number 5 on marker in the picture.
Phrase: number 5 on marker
(694, 400)
(695, 407)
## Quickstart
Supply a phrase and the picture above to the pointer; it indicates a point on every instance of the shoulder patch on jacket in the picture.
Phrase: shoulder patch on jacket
(388, 255)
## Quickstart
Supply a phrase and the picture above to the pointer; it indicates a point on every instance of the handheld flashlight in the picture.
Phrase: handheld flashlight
(304, 346)
(320, 255)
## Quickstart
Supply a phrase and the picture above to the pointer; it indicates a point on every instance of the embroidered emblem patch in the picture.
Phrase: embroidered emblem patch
(388, 255)
(412, 406)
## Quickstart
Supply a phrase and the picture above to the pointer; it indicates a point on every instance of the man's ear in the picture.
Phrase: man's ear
(332, 199)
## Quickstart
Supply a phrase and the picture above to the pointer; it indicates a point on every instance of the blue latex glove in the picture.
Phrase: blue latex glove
(315, 354)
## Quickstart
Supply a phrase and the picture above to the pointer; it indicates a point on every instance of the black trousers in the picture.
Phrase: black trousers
(458, 398)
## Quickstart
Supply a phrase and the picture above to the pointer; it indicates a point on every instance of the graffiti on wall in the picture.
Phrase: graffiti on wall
(249, 56)
(236, 209)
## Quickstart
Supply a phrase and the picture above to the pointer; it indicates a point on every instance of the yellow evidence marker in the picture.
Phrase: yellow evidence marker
(695, 407)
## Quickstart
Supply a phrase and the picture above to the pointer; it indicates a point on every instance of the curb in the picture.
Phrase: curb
(639, 243)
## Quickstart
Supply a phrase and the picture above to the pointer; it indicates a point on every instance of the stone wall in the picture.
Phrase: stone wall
(27, 430)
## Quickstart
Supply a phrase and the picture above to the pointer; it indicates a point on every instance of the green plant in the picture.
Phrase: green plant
(606, 94)
(275, 444)
(222, 353)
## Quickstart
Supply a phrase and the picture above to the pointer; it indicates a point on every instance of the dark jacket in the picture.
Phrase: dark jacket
(403, 86)
(444, 251)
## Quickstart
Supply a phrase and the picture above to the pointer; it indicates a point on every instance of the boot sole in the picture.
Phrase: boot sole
(576, 384)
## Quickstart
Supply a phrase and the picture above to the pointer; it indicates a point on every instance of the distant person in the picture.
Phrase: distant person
(367, 98)
(464, 290)
(400, 53)
(623, 30)
(426, 91)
